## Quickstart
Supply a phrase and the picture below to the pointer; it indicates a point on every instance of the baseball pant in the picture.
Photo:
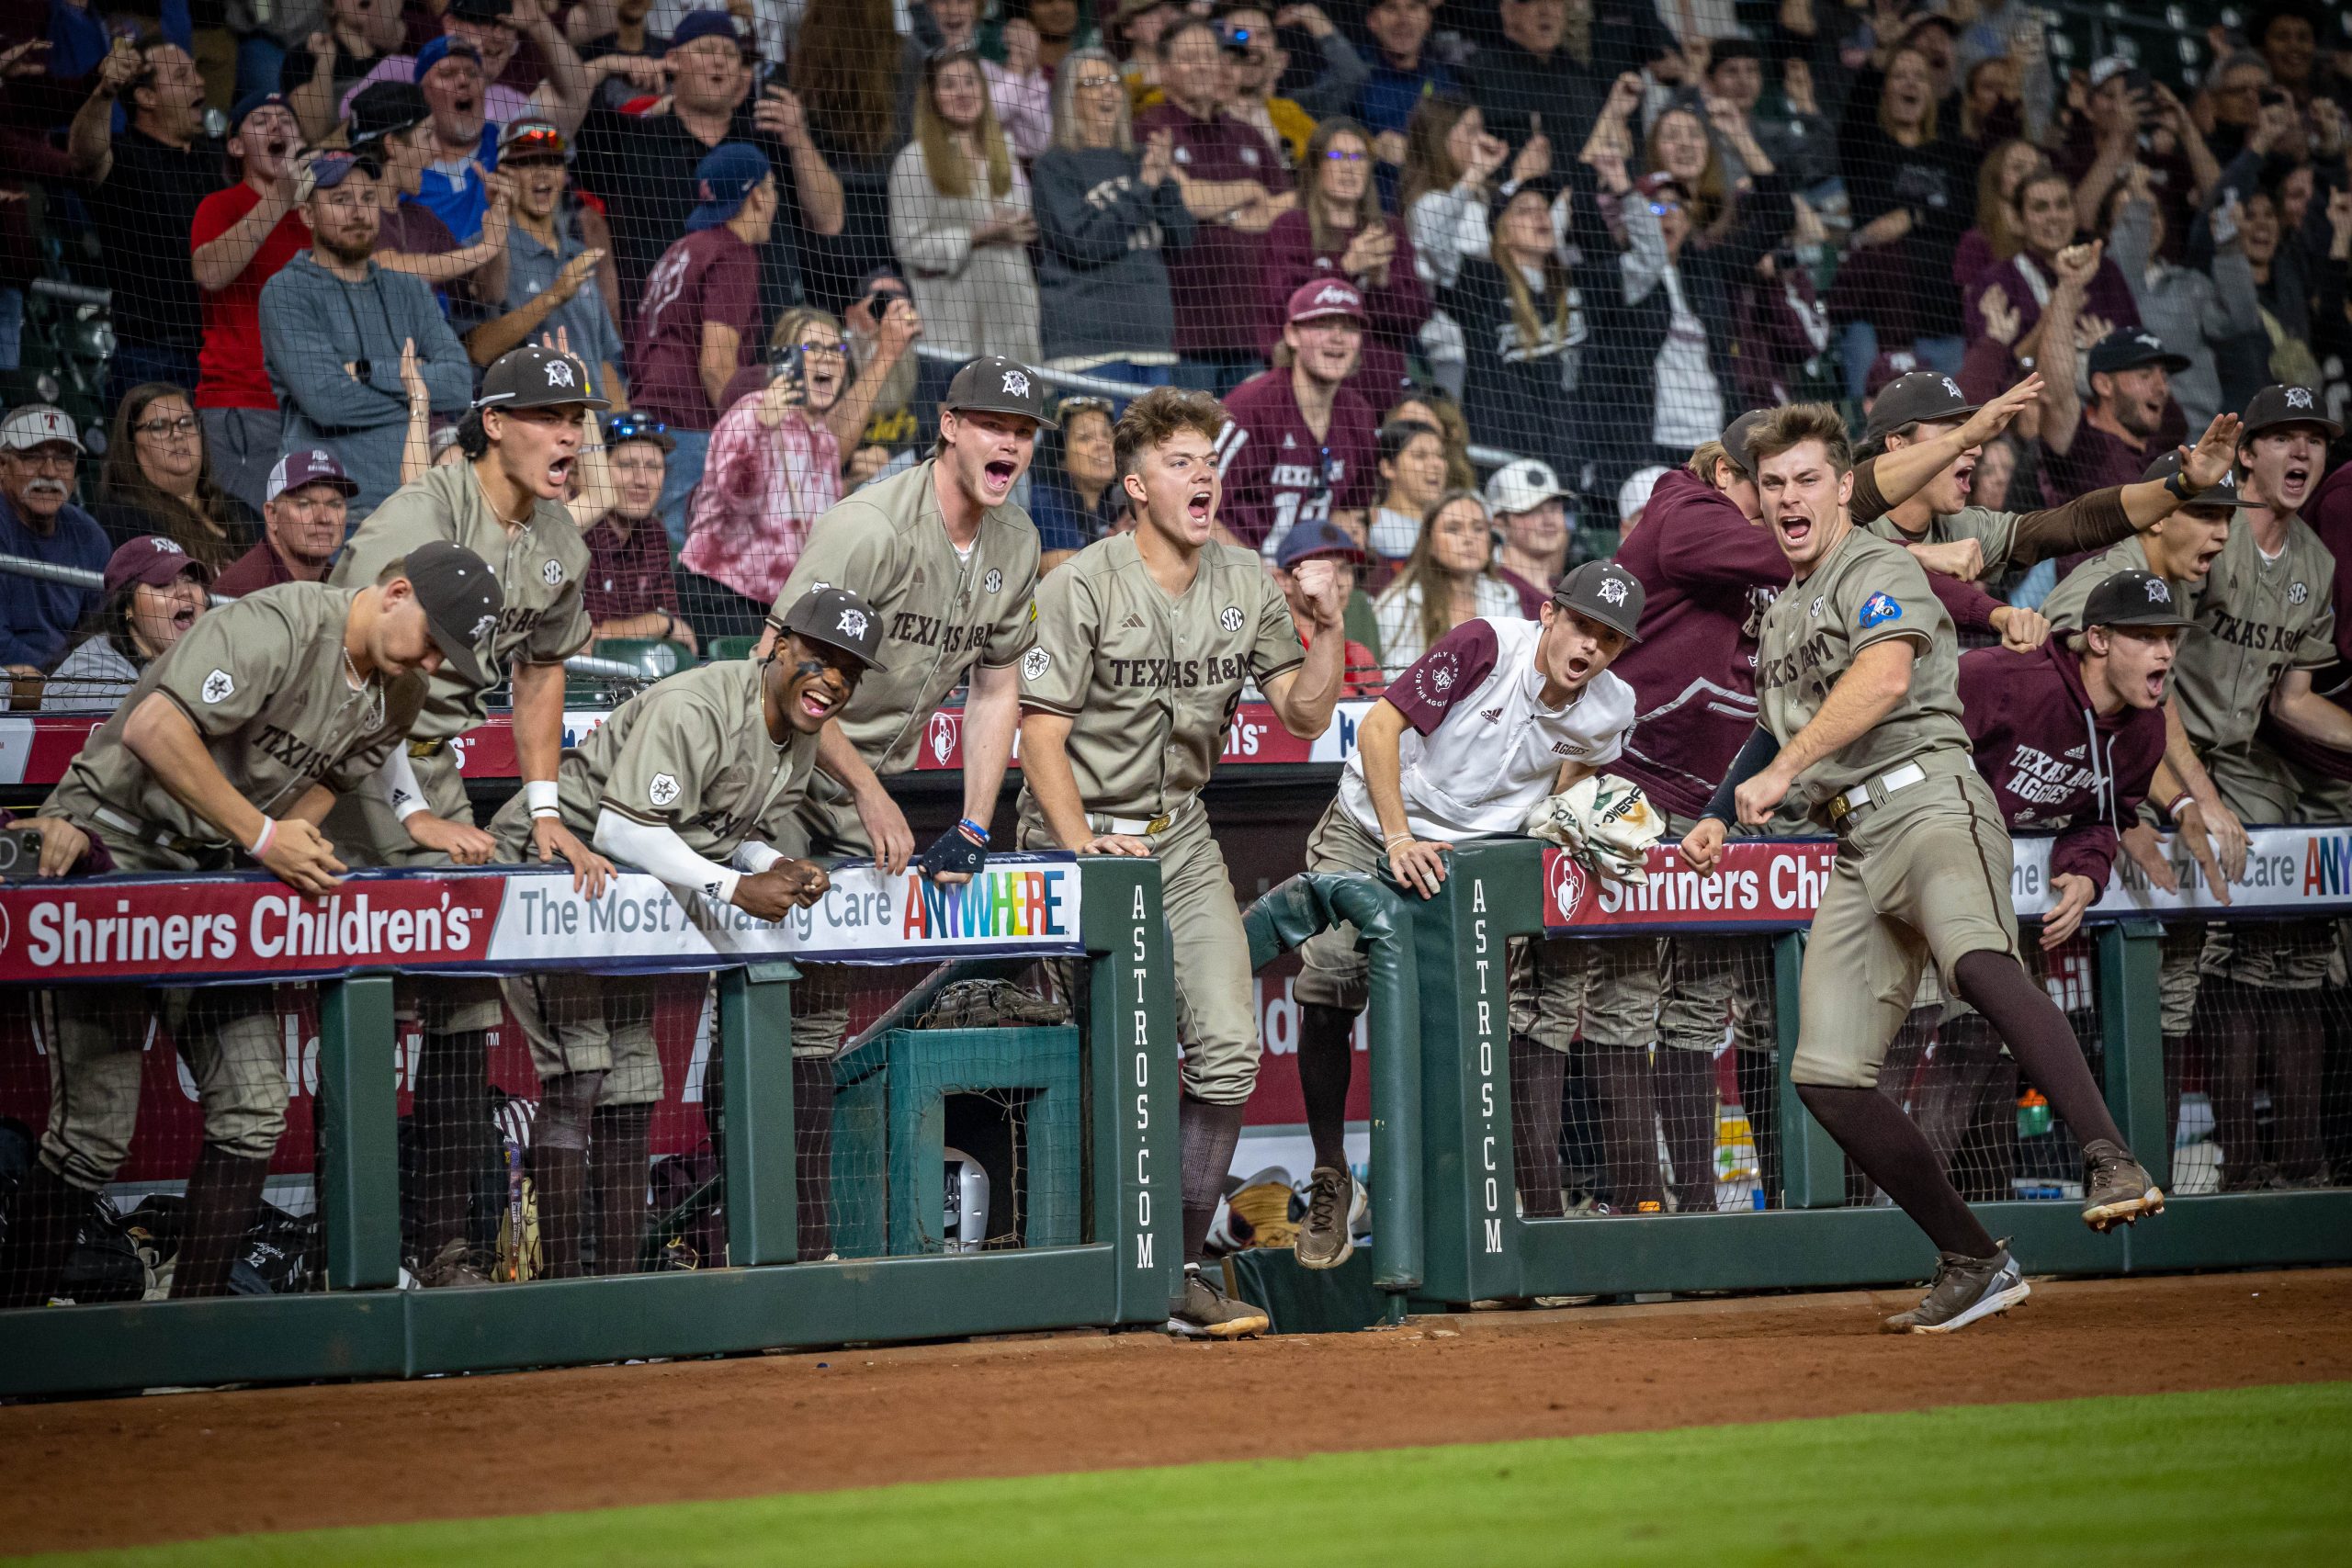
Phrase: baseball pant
(590, 1023)
(1922, 876)
(1215, 1013)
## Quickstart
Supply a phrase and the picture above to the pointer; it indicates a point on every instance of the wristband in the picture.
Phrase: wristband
(1394, 838)
(544, 797)
(2176, 484)
(2183, 798)
(974, 828)
(260, 846)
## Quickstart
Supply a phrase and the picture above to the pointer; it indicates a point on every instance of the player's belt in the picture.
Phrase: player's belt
(1140, 826)
(161, 837)
(1858, 798)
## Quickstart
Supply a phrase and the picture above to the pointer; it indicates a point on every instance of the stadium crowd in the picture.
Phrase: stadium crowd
(1398, 239)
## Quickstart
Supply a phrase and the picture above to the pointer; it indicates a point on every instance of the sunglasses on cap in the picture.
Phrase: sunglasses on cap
(543, 143)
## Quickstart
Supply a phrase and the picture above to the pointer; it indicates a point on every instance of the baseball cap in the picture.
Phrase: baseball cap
(1891, 365)
(253, 104)
(1734, 438)
(994, 384)
(637, 427)
(312, 464)
(2135, 598)
(724, 180)
(37, 424)
(1323, 297)
(2222, 491)
(2126, 349)
(837, 617)
(2276, 405)
(324, 171)
(1320, 538)
(1920, 396)
(530, 137)
(380, 109)
(532, 376)
(1634, 493)
(462, 600)
(437, 50)
(704, 23)
(1602, 590)
(1523, 486)
(153, 559)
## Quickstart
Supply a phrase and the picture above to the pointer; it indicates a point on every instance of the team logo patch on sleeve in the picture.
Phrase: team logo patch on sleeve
(1877, 609)
(1034, 663)
(217, 686)
(662, 790)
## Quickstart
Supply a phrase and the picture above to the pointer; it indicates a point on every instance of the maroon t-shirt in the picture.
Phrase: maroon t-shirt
(2097, 460)
(2329, 512)
(628, 575)
(257, 569)
(2034, 731)
(1396, 307)
(1457, 666)
(1278, 472)
(1532, 596)
(1707, 576)
(711, 276)
(1213, 280)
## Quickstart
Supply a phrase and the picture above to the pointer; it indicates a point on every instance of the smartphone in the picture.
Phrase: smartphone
(787, 365)
(19, 852)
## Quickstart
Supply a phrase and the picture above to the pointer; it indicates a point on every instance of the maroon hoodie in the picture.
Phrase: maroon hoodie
(2052, 762)
(2329, 511)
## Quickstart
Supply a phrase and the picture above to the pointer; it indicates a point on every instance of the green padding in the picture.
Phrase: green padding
(890, 1134)
(1309, 1300)
(720, 648)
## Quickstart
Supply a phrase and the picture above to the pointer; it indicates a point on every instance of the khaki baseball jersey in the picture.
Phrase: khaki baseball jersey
(264, 682)
(1866, 592)
(2256, 619)
(690, 753)
(1995, 532)
(2063, 607)
(941, 612)
(1151, 683)
(541, 566)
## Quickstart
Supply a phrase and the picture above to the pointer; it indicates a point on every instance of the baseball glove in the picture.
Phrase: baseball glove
(1605, 821)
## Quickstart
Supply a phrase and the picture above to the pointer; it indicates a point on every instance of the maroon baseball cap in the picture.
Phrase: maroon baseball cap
(1324, 297)
(155, 560)
(309, 466)
(1890, 367)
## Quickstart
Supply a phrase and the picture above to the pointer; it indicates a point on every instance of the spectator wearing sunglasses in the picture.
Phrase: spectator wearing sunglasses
(1339, 230)
(553, 289)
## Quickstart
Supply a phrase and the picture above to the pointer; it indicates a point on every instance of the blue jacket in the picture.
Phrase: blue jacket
(38, 617)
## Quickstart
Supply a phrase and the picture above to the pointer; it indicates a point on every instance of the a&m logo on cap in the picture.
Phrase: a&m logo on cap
(1613, 590)
(560, 373)
(2296, 397)
(483, 627)
(1951, 387)
(2159, 593)
(853, 624)
(1016, 385)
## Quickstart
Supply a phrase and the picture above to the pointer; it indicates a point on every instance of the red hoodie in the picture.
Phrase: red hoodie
(2051, 761)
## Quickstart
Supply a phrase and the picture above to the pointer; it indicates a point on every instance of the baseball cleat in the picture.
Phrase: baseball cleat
(2116, 1188)
(1205, 1312)
(1964, 1290)
(1323, 1241)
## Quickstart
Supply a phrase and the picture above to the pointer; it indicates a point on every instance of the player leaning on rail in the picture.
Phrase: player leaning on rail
(693, 779)
(1858, 699)
(507, 504)
(238, 739)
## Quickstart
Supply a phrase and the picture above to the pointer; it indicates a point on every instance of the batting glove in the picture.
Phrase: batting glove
(960, 851)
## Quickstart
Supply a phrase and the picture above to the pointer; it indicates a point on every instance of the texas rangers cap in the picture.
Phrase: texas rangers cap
(2135, 598)
(310, 466)
(994, 384)
(2222, 491)
(1602, 590)
(532, 376)
(2127, 349)
(252, 104)
(2273, 406)
(1320, 538)
(461, 601)
(1916, 399)
(838, 618)
(155, 560)
(38, 424)
(1323, 297)
(1734, 438)
(1523, 486)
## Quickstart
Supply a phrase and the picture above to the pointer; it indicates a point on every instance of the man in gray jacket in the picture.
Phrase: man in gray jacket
(2189, 311)
(334, 327)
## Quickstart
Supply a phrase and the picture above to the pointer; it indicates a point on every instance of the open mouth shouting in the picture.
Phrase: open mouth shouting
(559, 472)
(183, 615)
(1579, 669)
(2155, 687)
(997, 474)
(1794, 527)
(2295, 482)
(1198, 507)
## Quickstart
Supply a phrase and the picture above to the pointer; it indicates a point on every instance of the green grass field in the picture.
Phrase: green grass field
(2247, 1476)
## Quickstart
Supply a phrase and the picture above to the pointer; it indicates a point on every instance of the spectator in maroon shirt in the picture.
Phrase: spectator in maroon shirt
(2113, 441)
(1233, 185)
(305, 505)
(698, 320)
(1339, 230)
(630, 591)
(1300, 445)
(2003, 318)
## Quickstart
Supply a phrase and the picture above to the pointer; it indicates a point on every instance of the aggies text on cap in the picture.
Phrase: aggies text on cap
(1323, 297)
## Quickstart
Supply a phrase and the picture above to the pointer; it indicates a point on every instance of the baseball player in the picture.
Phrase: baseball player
(505, 502)
(692, 779)
(1856, 696)
(2068, 736)
(235, 742)
(1145, 642)
(948, 562)
(1500, 714)
(1978, 546)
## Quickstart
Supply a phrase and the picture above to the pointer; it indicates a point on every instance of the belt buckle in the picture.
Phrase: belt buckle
(424, 748)
(1158, 824)
(1838, 809)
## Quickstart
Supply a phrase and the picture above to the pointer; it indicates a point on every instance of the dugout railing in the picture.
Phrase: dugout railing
(1098, 923)
(1816, 1233)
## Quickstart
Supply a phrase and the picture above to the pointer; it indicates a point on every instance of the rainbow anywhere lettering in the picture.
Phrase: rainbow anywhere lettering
(996, 905)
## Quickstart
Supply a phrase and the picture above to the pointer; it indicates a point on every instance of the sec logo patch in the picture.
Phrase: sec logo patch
(553, 573)
(993, 581)
(1231, 619)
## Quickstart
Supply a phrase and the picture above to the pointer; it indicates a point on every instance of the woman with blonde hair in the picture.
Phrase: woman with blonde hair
(1338, 230)
(1996, 236)
(1449, 578)
(960, 219)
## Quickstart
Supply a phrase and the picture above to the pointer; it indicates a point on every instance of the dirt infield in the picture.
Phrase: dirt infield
(125, 1471)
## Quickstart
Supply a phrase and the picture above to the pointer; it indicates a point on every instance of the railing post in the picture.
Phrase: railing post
(755, 1053)
(1813, 1168)
(357, 1113)
(1137, 1170)
(2131, 1035)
